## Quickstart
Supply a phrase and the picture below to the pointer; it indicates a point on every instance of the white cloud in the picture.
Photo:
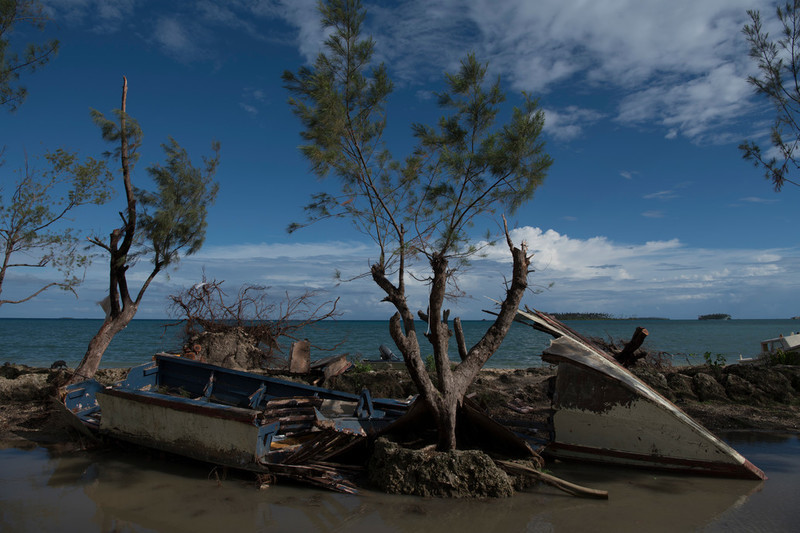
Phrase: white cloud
(172, 35)
(304, 17)
(759, 200)
(103, 16)
(680, 65)
(661, 195)
(569, 123)
(252, 110)
(655, 277)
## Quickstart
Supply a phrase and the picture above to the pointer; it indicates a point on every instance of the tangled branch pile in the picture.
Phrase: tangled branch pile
(249, 330)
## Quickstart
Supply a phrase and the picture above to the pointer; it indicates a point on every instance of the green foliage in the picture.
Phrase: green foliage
(174, 217)
(360, 367)
(465, 167)
(430, 363)
(716, 361)
(343, 115)
(781, 357)
(33, 219)
(778, 62)
(111, 131)
(13, 62)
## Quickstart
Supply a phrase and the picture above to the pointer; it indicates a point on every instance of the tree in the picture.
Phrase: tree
(464, 169)
(779, 80)
(173, 221)
(12, 63)
(32, 219)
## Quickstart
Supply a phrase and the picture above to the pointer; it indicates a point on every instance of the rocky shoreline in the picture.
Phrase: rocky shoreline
(723, 398)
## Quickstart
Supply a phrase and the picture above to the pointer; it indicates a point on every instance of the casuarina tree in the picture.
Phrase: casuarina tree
(34, 219)
(778, 61)
(465, 169)
(15, 61)
(172, 221)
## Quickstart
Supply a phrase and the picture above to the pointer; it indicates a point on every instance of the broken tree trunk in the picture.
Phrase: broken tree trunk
(626, 356)
(300, 357)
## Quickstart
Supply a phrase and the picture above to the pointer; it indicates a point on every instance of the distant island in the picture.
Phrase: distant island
(598, 316)
(715, 316)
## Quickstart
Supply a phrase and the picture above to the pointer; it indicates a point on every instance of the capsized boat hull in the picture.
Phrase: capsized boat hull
(603, 413)
(619, 427)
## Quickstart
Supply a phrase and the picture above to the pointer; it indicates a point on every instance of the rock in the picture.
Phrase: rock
(681, 386)
(707, 388)
(737, 388)
(455, 474)
(776, 386)
(655, 379)
(792, 373)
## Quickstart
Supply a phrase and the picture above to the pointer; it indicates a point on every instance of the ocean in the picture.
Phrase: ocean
(40, 342)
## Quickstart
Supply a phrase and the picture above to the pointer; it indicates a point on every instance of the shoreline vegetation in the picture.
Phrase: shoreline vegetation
(715, 316)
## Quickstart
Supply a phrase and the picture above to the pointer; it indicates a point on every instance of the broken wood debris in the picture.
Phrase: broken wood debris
(570, 488)
(321, 475)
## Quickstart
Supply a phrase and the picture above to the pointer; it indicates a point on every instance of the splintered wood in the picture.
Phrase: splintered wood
(310, 444)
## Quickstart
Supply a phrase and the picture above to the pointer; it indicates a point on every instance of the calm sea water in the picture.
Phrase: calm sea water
(39, 342)
(43, 489)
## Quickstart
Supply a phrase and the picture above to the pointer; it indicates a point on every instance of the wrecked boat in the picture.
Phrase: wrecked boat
(233, 418)
(603, 413)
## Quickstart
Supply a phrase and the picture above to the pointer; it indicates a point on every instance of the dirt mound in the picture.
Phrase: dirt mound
(234, 349)
(454, 474)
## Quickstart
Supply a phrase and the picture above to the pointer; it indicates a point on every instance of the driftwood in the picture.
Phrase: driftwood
(566, 486)
(626, 357)
(331, 366)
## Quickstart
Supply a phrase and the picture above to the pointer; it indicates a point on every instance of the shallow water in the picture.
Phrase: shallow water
(47, 490)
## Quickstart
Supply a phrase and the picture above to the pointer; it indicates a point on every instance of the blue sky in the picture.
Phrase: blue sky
(648, 209)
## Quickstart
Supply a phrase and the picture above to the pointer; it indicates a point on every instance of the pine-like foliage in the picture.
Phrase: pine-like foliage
(778, 63)
(464, 168)
(14, 62)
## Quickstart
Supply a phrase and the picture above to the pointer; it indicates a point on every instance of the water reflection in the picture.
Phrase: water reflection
(130, 491)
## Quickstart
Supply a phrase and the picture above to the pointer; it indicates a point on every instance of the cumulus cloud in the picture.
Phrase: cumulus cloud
(680, 65)
(649, 278)
(570, 122)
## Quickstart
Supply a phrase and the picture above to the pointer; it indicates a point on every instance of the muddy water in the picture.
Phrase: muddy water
(47, 490)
